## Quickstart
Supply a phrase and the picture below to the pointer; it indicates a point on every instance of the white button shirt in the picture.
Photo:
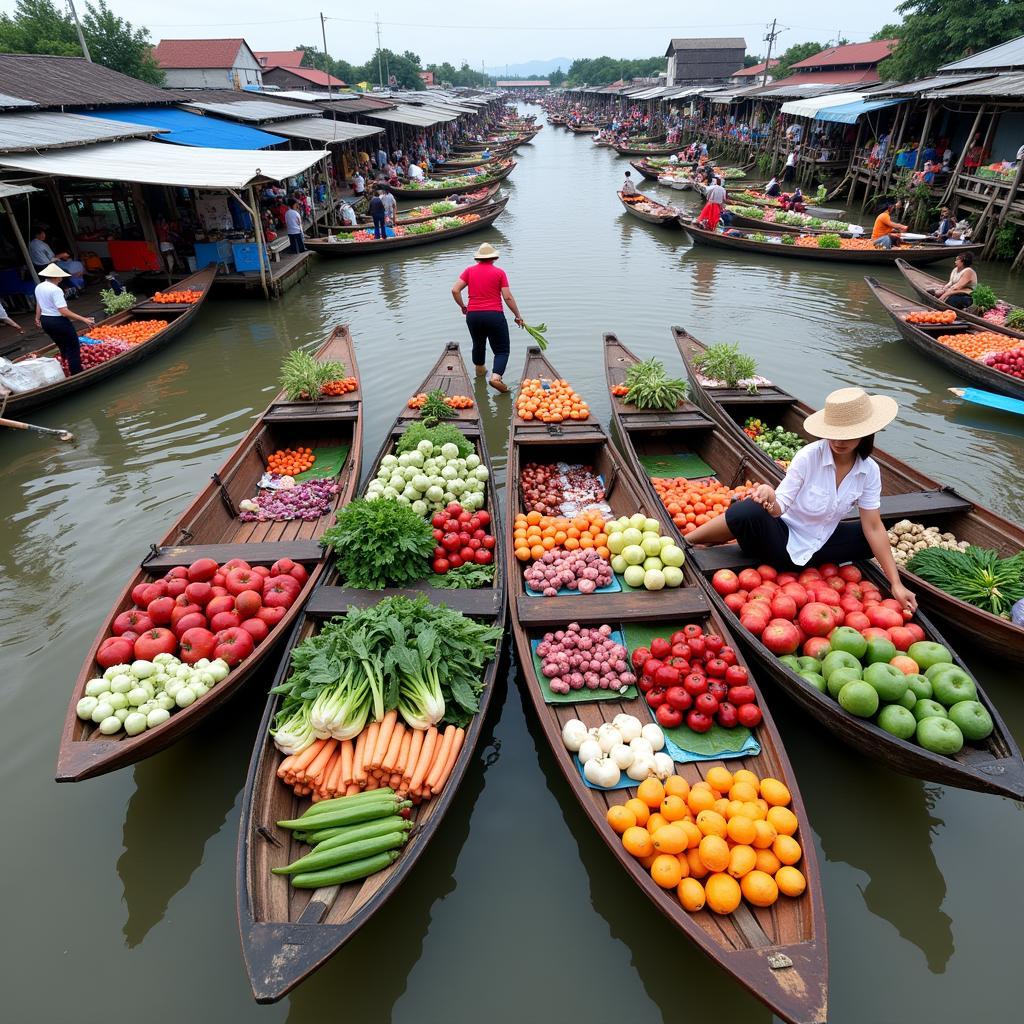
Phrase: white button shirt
(50, 298)
(812, 507)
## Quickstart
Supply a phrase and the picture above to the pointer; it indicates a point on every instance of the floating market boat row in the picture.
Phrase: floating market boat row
(440, 188)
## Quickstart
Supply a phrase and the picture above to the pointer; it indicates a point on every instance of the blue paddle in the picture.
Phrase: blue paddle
(990, 399)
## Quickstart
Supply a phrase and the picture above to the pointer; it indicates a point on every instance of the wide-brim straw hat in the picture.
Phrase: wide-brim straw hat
(851, 413)
(486, 252)
(53, 271)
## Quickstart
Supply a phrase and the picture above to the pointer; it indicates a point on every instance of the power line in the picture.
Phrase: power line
(773, 34)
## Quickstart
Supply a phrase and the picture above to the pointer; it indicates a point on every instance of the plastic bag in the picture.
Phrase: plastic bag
(1017, 613)
(29, 374)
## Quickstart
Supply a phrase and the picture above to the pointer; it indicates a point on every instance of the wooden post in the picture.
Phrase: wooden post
(951, 185)
(883, 181)
(61, 209)
(20, 239)
(261, 255)
(929, 114)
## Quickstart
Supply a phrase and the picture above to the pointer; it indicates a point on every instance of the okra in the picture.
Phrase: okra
(350, 872)
(365, 810)
(358, 850)
(337, 836)
(346, 801)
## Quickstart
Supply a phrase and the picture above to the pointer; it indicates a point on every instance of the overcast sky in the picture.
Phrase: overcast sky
(517, 32)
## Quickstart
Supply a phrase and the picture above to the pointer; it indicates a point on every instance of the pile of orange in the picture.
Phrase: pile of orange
(725, 839)
(290, 461)
(618, 390)
(551, 404)
(976, 344)
(811, 242)
(533, 534)
(335, 388)
(133, 333)
(187, 296)
(454, 401)
(691, 503)
(930, 316)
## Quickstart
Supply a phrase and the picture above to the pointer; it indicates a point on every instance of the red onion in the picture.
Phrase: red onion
(569, 665)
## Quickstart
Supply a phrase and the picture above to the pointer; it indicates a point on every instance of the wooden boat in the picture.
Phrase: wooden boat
(413, 217)
(288, 933)
(906, 494)
(648, 209)
(994, 766)
(210, 528)
(922, 282)
(442, 191)
(739, 221)
(648, 150)
(583, 129)
(924, 337)
(774, 246)
(331, 246)
(179, 315)
(779, 954)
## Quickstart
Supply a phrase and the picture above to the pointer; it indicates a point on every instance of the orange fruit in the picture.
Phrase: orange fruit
(721, 806)
(767, 861)
(787, 849)
(700, 799)
(741, 830)
(741, 860)
(652, 792)
(743, 791)
(756, 809)
(691, 895)
(790, 881)
(642, 812)
(723, 893)
(637, 841)
(693, 834)
(669, 839)
(745, 775)
(696, 865)
(646, 862)
(714, 853)
(720, 778)
(775, 793)
(733, 808)
(667, 871)
(676, 785)
(620, 818)
(711, 823)
(759, 888)
(765, 835)
(654, 822)
(783, 819)
(673, 808)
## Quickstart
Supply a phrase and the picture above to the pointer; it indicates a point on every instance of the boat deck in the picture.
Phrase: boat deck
(284, 273)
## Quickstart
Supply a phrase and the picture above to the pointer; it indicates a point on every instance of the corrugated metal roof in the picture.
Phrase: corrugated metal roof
(810, 105)
(314, 75)
(923, 85)
(198, 53)
(356, 105)
(51, 129)
(152, 163)
(71, 82)
(305, 95)
(1005, 85)
(791, 89)
(404, 114)
(1006, 55)
(8, 189)
(187, 129)
(325, 129)
(253, 111)
(15, 101)
(851, 53)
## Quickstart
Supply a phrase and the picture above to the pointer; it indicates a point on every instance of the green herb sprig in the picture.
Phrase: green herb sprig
(650, 387)
(978, 576)
(727, 364)
(302, 376)
(467, 576)
(537, 333)
(436, 408)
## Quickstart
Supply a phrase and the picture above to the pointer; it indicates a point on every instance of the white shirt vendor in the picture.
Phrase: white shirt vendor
(50, 298)
(292, 222)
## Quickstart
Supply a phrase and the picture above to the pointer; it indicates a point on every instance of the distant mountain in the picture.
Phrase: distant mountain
(530, 69)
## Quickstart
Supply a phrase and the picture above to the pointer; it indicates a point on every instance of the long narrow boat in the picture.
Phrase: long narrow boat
(773, 245)
(650, 210)
(924, 337)
(922, 283)
(210, 528)
(652, 149)
(288, 933)
(993, 766)
(474, 159)
(420, 214)
(583, 129)
(442, 191)
(741, 221)
(179, 316)
(906, 494)
(483, 216)
(778, 953)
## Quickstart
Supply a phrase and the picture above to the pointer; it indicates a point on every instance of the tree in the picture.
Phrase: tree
(316, 58)
(557, 77)
(886, 32)
(405, 68)
(797, 52)
(751, 60)
(936, 32)
(605, 70)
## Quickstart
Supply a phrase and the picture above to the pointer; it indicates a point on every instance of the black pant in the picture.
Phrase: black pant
(960, 301)
(63, 334)
(296, 244)
(379, 228)
(764, 537)
(788, 173)
(489, 325)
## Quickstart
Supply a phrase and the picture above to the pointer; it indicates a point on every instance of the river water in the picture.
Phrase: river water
(118, 893)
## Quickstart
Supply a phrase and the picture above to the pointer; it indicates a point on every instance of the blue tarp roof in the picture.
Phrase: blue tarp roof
(194, 129)
(847, 113)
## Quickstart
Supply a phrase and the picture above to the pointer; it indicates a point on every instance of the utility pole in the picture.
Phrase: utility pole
(380, 69)
(81, 34)
(327, 60)
(770, 38)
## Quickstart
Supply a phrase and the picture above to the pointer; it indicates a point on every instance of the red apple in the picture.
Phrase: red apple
(817, 647)
(202, 569)
(816, 619)
(192, 620)
(115, 650)
(271, 616)
(196, 643)
(248, 603)
(725, 581)
(199, 592)
(160, 610)
(225, 620)
(233, 645)
(734, 602)
(257, 629)
(767, 573)
(783, 607)
(901, 637)
(781, 637)
(220, 604)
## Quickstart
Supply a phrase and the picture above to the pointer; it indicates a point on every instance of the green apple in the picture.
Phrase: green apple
(815, 679)
(791, 660)
(634, 576)
(846, 638)
(839, 677)
(654, 579)
(879, 649)
(940, 668)
(908, 700)
(920, 686)
(972, 720)
(673, 576)
(836, 660)
(809, 664)
(940, 736)
(926, 653)
(888, 680)
(652, 524)
(653, 563)
(637, 521)
(633, 554)
(618, 564)
(651, 546)
(667, 542)
(672, 555)
(898, 721)
(953, 687)
(859, 698)
(631, 536)
(616, 542)
(926, 708)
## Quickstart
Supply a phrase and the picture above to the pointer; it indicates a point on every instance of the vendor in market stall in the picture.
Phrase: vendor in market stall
(959, 289)
(801, 522)
(54, 317)
(42, 256)
(5, 319)
(628, 187)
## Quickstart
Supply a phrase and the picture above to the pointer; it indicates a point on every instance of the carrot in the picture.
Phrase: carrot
(394, 745)
(441, 756)
(314, 769)
(403, 754)
(306, 756)
(387, 728)
(353, 788)
(414, 752)
(285, 766)
(347, 750)
(438, 784)
(373, 783)
(429, 742)
(396, 778)
(332, 777)
(358, 771)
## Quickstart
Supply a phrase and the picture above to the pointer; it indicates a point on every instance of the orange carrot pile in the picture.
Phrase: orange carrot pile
(454, 401)
(336, 388)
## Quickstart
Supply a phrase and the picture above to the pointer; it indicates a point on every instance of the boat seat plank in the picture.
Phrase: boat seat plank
(286, 412)
(687, 420)
(740, 396)
(923, 503)
(337, 600)
(298, 551)
(545, 612)
(723, 556)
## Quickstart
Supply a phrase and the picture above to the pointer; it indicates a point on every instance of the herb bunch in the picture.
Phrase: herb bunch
(978, 576)
(726, 363)
(436, 407)
(650, 387)
(302, 376)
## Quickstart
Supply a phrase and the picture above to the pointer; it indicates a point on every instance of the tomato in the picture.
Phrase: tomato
(134, 620)
(257, 629)
(482, 556)
(713, 642)
(186, 622)
(441, 565)
(271, 616)
(155, 641)
(740, 695)
(698, 721)
(199, 592)
(668, 717)
(828, 570)
(176, 587)
(455, 560)
(282, 567)
(716, 668)
(678, 698)
(749, 579)
(137, 592)
(115, 650)
(749, 715)
(233, 644)
(451, 542)
(299, 573)
(661, 648)
(728, 655)
(901, 637)
(180, 611)
(884, 617)
(850, 573)
(640, 656)
(218, 580)
(707, 703)
(725, 581)
(240, 579)
(179, 572)
(437, 521)
(160, 610)
(727, 717)
(484, 517)
(734, 602)
(248, 603)
(280, 591)
(718, 689)
(695, 683)
(202, 570)
(696, 645)
(667, 676)
(489, 542)
(651, 665)
(915, 630)
(655, 697)
(151, 592)
(217, 605)
(261, 570)
(196, 643)
(768, 573)
(692, 631)
(235, 563)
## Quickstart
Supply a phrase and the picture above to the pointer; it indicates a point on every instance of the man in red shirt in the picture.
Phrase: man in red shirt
(485, 316)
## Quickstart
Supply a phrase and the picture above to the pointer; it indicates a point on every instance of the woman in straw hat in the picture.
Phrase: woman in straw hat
(54, 317)
(801, 521)
(485, 317)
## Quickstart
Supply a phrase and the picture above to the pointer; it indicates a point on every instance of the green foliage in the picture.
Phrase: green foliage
(1015, 319)
(114, 303)
(302, 376)
(752, 60)
(605, 70)
(463, 75)
(467, 576)
(978, 576)
(557, 77)
(830, 242)
(443, 433)
(797, 52)
(983, 298)
(725, 363)
(788, 240)
(889, 31)
(650, 387)
(404, 66)
(436, 407)
(1007, 242)
(936, 32)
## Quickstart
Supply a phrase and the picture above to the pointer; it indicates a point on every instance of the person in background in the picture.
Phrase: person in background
(485, 317)
(714, 203)
(946, 225)
(5, 319)
(363, 157)
(975, 156)
(42, 256)
(486, 154)
(54, 317)
(358, 183)
(415, 172)
(378, 212)
(382, 158)
(929, 154)
(963, 279)
(773, 188)
(390, 206)
(346, 214)
(789, 171)
(293, 228)
(886, 232)
(628, 187)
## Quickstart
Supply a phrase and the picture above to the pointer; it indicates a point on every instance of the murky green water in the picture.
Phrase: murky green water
(118, 893)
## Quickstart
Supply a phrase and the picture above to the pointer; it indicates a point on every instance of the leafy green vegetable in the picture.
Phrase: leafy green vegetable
(423, 228)
(788, 240)
(441, 434)
(467, 576)
(436, 407)
(443, 206)
(114, 303)
(651, 388)
(537, 333)
(1015, 319)
(726, 363)
(380, 544)
(302, 376)
(983, 298)
(829, 242)
(978, 576)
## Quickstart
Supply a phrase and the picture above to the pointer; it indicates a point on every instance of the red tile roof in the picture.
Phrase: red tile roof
(280, 58)
(757, 69)
(313, 75)
(197, 53)
(853, 53)
(861, 76)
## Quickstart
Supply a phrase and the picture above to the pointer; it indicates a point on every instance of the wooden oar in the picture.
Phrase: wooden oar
(64, 435)
(990, 399)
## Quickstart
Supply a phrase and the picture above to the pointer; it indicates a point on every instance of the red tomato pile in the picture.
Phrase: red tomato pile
(1011, 362)
(789, 611)
(204, 611)
(461, 537)
(695, 674)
